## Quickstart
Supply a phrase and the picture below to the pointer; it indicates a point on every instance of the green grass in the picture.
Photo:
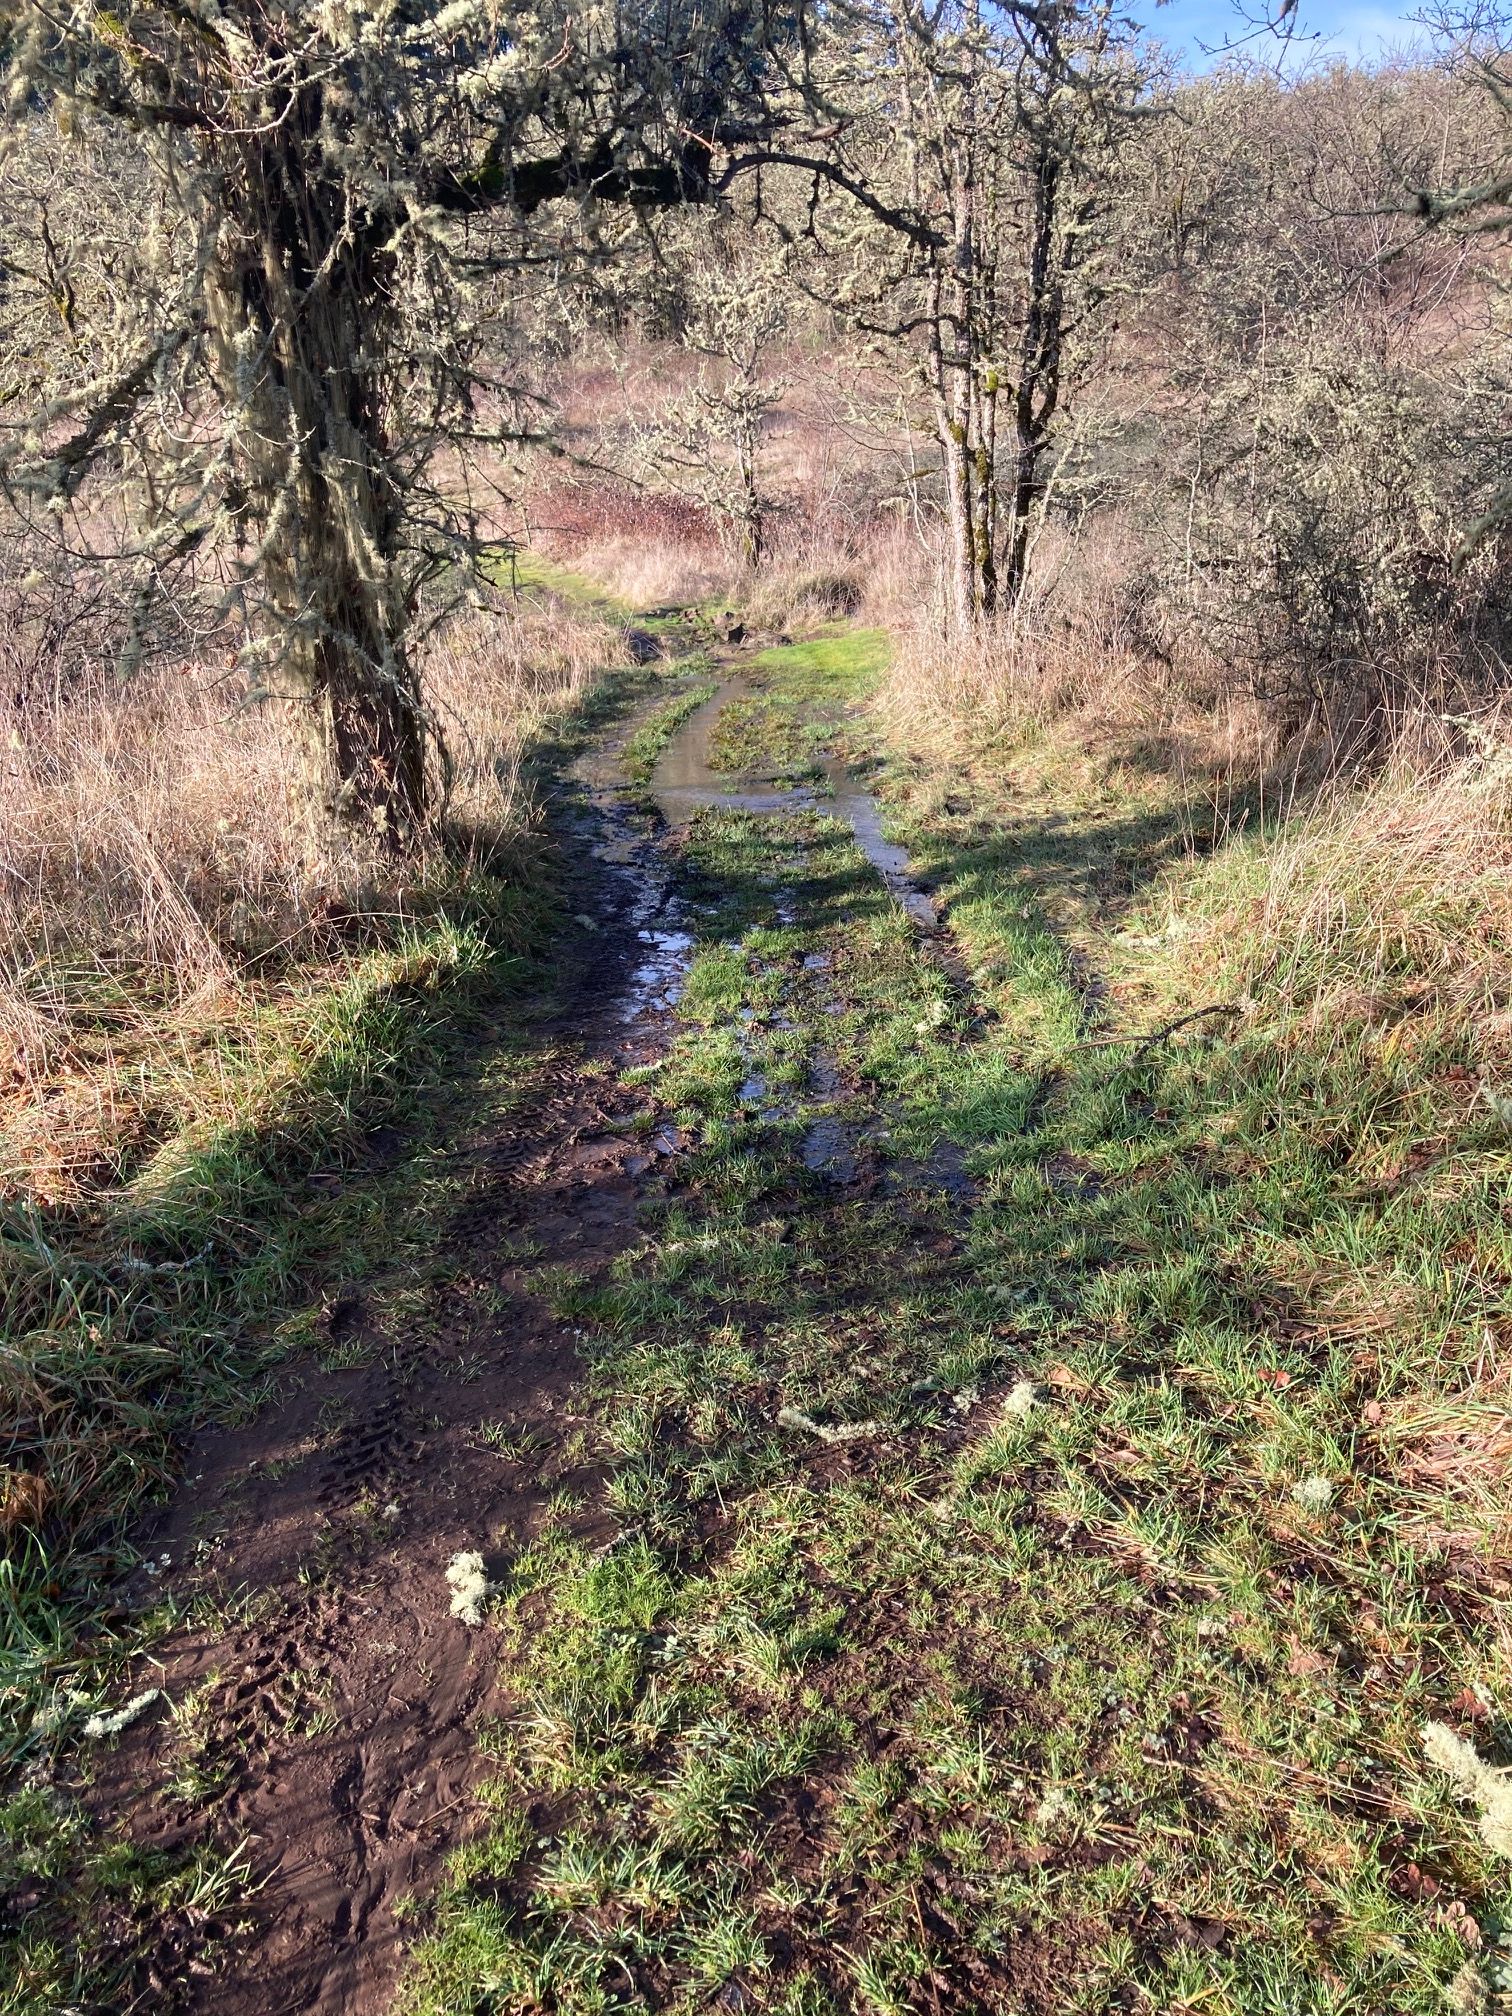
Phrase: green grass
(803, 694)
(757, 735)
(1032, 1601)
(841, 665)
(123, 1894)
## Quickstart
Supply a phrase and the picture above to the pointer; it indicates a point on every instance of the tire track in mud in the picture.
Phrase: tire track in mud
(325, 1713)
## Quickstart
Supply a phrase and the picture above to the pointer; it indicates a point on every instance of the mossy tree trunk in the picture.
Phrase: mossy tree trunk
(296, 295)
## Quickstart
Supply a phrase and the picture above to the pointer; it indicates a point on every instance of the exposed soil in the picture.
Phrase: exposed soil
(335, 1728)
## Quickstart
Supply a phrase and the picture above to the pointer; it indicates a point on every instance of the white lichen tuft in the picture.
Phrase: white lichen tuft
(1313, 1494)
(1022, 1401)
(98, 1727)
(1479, 1783)
(1468, 1993)
(843, 1431)
(470, 1587)
(1057, 1805)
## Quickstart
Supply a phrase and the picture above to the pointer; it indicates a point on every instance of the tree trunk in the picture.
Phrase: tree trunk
(1024, 491)
(984, 392)
(1038, 391)
(295, 296)
(952, 416)
(752, 517)
(965, 601)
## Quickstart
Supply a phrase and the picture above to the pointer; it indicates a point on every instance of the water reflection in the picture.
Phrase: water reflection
(684, 780)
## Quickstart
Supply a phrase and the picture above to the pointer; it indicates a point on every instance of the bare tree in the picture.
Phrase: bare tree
(1333, 375)
(980, 255)
(707, 439)
(338, 205)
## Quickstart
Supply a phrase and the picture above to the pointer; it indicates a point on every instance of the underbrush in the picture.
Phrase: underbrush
(1323, 886)
(1382, 905)
(1252, 868)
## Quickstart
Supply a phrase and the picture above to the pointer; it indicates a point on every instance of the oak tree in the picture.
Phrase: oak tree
(285, 368)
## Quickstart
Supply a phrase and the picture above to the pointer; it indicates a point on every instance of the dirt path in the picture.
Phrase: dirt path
(913, 1510)
(326, 1705)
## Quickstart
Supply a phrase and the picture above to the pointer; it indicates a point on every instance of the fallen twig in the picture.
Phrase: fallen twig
(1144, 1043)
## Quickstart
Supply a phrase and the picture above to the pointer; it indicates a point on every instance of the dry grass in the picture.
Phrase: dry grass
(493, 677)
(830, 485)
(646, 549)
(1390, 897)
(161, 881)
(1342, 893)
(650, 551)
(1076, 655)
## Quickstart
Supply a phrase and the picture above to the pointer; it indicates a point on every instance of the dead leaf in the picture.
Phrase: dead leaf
(1468, 1703)
(23, 1499)
(1303, 1659)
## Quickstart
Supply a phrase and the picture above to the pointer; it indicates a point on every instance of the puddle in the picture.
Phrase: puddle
(857, 806)
(756, 1098)
(829, 1150)
(636, 890)
(656, 980)
(684, 780)
(832, 1147)
(943, 1170)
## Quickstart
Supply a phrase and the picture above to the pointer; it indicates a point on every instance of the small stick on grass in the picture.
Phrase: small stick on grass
(1144, 1043)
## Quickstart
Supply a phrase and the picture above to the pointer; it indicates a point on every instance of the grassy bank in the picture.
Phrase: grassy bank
(150, 1307)
(1032, 1594)
(204, 1016)
(170, 1304)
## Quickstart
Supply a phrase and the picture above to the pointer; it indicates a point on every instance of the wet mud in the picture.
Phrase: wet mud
(684, 780)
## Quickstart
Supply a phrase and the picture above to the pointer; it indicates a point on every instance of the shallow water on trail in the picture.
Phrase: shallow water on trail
(655, 981)
(684, 780)
(833, 1145)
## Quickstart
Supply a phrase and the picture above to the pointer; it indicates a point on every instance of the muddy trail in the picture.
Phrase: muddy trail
(326, 1714)
(930, 1533)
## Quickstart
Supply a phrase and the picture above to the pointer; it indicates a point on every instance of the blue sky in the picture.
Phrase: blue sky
(1354, 28)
